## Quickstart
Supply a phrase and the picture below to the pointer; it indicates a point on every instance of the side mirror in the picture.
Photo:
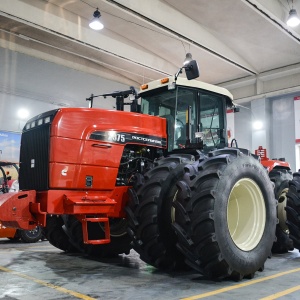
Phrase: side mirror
(191, 70)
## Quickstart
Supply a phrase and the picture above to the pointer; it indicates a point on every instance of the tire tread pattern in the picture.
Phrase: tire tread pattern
(149, 215)
(195, 218)
(293, 209)
(56, 235)
(281, 178)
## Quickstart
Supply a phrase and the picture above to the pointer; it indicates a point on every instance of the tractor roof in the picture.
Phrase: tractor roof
(184, 82)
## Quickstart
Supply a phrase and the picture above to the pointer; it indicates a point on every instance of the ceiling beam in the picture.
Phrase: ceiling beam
(165, 17)
(66, 25)
(73, 60)
(276, 13)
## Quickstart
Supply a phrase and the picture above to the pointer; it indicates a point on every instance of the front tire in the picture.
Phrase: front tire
(119, 239)
(293, 209)
(226, 215)
(151, 215)
(56, 235)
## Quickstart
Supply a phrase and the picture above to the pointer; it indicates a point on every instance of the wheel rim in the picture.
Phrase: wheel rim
(118, 227)
(246, 214)
(33, 233)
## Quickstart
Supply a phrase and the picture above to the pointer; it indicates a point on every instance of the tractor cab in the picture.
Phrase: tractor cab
(195, 112)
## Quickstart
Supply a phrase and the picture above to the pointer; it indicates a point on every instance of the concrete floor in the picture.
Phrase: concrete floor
(40, 271)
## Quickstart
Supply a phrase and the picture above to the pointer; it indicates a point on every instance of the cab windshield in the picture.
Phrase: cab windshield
(206, 125)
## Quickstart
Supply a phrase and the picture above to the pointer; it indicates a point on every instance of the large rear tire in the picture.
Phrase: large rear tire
(151, 215)
(293, 209)
(281, 178)
(226, 215)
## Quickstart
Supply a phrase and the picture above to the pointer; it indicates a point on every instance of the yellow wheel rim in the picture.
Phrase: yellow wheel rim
(246, 214)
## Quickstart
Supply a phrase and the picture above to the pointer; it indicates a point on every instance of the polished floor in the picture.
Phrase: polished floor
(41, 272)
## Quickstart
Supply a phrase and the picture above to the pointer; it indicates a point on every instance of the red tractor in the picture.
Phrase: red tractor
(280, 174)
(159, 178)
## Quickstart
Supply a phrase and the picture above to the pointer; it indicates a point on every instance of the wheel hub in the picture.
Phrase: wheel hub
(246, 214)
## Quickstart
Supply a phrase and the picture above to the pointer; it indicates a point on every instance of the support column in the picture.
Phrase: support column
(297, 130)
(261, 111)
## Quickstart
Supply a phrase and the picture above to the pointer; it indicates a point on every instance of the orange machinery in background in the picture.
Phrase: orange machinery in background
(6, 232)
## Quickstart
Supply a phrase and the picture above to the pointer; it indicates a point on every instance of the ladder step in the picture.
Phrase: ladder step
(105, 221)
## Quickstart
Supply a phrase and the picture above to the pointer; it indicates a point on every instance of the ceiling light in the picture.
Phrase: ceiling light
(257, 125)
(293, 19)
(95, 23)
(23, 113)
(188, 58)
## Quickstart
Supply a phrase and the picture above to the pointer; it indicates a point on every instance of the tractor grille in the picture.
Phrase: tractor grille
(34, 154)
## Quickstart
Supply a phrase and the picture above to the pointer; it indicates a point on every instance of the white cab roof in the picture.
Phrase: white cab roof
(190, 83)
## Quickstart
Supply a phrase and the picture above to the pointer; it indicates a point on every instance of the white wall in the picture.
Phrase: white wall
(37, 85)
(283, 125)
(278, 132)
(261, 112)
(242, 124)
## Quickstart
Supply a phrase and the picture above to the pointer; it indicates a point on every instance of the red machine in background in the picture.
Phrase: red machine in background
(9, 183)
(280, 174)
(268, 163)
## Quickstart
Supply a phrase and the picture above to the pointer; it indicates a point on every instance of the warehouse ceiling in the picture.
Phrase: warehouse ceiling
(243, 45)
